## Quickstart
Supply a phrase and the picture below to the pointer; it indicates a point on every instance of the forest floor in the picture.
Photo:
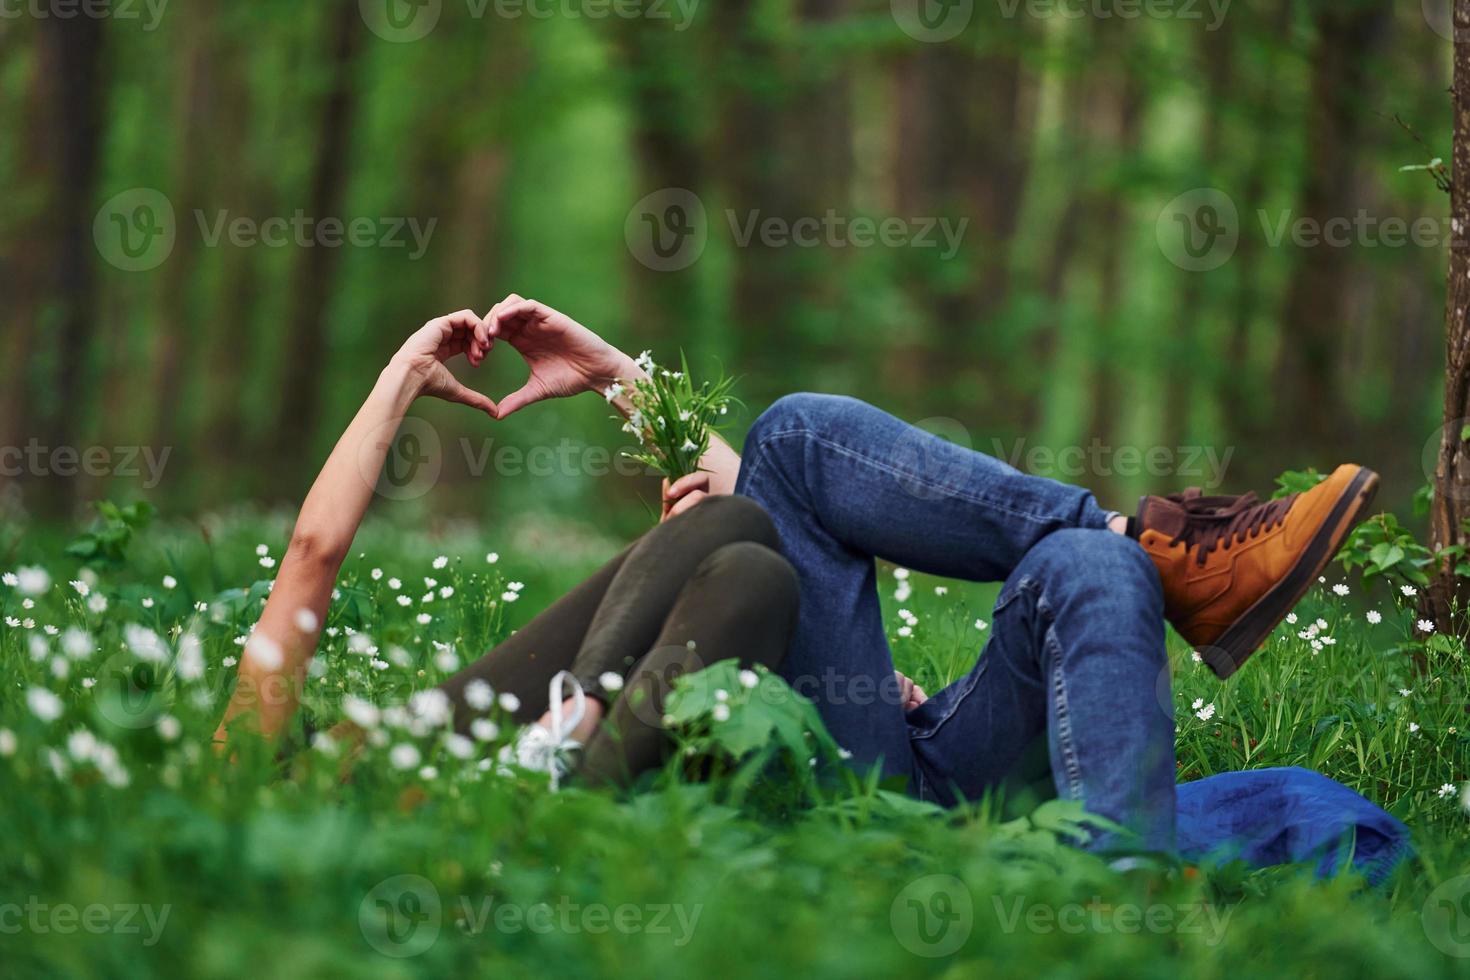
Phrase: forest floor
(132, 849)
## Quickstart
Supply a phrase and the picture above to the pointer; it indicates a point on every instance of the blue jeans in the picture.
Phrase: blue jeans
(1076, 663)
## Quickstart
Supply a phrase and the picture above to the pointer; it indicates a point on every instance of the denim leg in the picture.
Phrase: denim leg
(844, 483)
(889, 490)
(1078, 659)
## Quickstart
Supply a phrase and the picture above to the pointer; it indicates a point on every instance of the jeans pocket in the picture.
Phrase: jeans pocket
(925, 720)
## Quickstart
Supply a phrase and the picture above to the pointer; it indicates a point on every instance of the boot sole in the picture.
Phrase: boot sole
(1245, 636)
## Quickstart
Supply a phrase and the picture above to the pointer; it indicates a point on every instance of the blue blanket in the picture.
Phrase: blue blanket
(1287, 816)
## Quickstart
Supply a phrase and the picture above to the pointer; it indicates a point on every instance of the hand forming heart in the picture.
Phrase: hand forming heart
(565, 357)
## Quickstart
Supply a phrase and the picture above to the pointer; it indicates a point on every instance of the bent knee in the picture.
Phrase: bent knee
(734, 519)
(754, 576)
(801, 411)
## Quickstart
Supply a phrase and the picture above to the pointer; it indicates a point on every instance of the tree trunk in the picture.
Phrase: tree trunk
(71, 61)
(1316, 304)
(306, 338)
(1446, 598)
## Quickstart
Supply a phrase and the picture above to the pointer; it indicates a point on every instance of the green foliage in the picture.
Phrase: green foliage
(105, 544)
(673, 419)
(261, 862)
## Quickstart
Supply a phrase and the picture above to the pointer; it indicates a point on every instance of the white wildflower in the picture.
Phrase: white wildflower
(479, 695)
(361, 713)
(43, 704)
(459, 746)
(404, 756)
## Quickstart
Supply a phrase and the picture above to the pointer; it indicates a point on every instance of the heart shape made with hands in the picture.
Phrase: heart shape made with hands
(564, 357)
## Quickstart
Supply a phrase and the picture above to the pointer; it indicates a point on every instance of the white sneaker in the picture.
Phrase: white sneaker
(551, 750)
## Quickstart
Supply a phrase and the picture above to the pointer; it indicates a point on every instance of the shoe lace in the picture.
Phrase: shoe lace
(561, 727)
(1220, 522)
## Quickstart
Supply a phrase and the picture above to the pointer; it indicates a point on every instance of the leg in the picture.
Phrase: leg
(524, 663)
(883, 488)
(613, 618)
(740, 605)
(844, 482)
(1077, 659)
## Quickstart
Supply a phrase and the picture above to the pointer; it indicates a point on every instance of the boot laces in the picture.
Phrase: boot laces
(1220, 522)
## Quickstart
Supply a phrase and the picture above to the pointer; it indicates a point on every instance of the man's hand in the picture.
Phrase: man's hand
(565, 357)
(423, 355)
(910, 695)
(684, 494)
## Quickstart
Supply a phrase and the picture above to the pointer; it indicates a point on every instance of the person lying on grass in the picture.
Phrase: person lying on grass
(770, 559)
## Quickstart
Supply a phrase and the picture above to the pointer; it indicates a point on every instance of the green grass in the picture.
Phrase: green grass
(277, 870)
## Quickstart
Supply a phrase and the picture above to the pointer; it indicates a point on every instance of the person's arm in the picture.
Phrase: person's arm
(273, 666)
(567, 359)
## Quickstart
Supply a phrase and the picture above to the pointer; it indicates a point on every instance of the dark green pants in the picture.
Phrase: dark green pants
(706, 586)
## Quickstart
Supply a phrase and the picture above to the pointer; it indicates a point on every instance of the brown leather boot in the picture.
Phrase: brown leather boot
(1233, 567)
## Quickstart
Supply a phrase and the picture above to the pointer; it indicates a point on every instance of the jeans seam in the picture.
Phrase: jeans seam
(971, 681)
(894, 471)
(1063, 734)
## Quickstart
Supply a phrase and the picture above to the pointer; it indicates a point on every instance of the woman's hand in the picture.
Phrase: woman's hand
(684, 494)
(565, 357)
(910, 695)
(423, 355)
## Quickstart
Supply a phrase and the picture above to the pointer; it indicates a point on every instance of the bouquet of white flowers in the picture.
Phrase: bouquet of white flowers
(672, 418)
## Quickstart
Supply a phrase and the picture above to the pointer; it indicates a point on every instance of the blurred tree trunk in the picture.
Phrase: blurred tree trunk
(239, 191)
(61, 278)
(659, 70)
(1312, 402)
(193, 129)
(1217, 52)
(1244, 395)
(962, 150)
(1446, 599)
(1118, 105)
(23, 253)
(313, 274)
